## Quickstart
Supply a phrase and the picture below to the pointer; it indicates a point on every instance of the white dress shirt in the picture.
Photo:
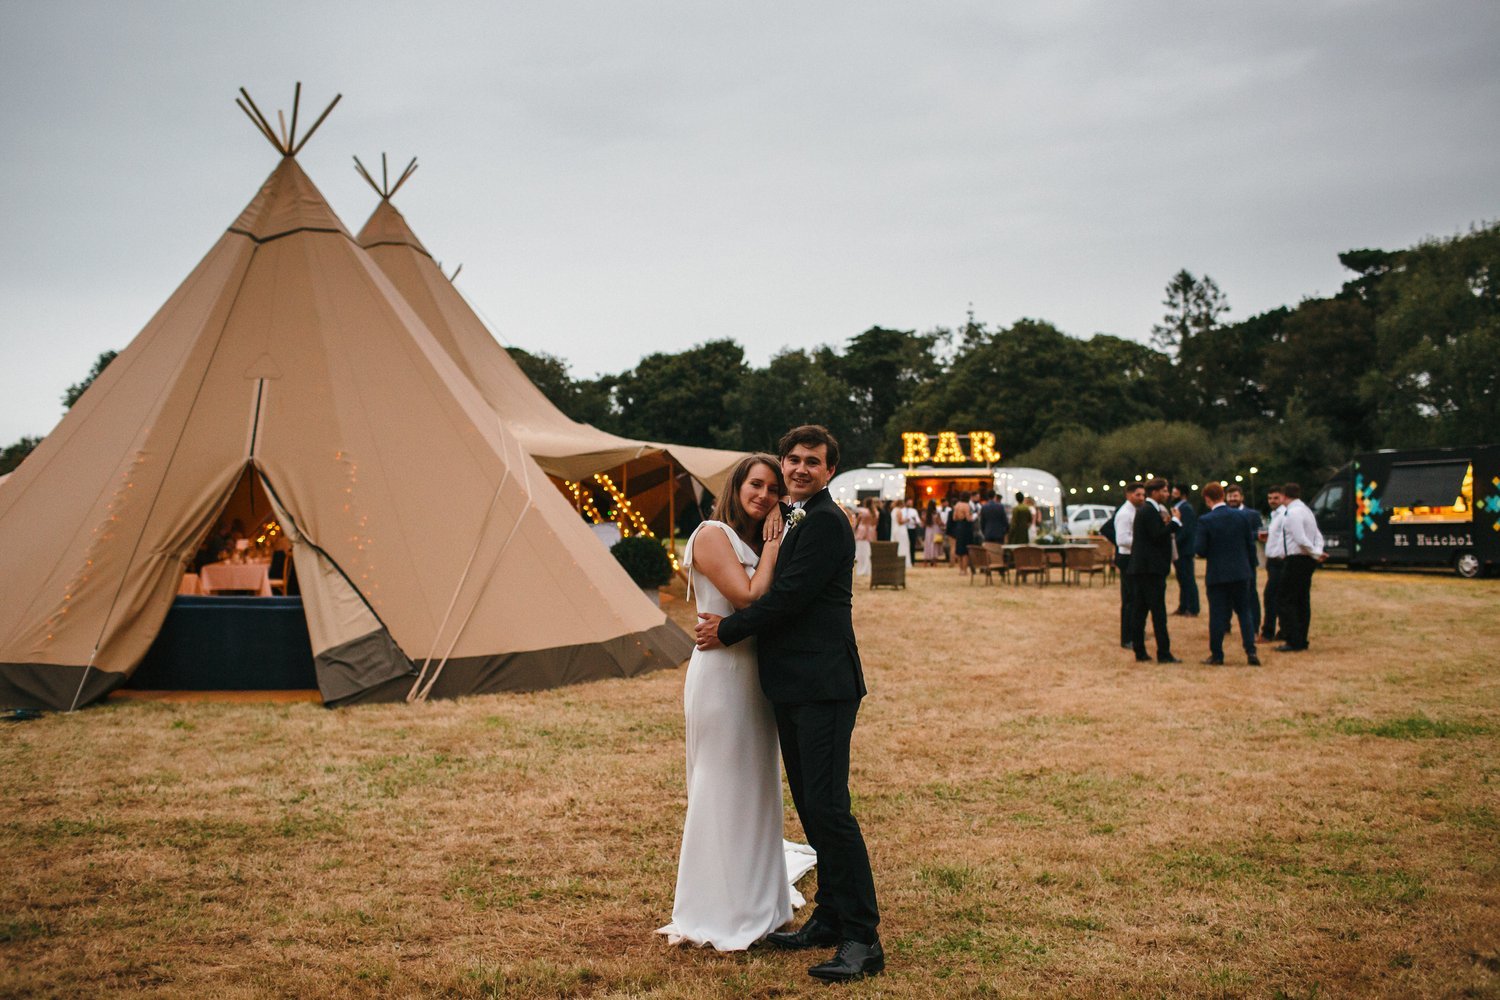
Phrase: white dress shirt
(1275, 542)
(1124, 528)
(1299, 530)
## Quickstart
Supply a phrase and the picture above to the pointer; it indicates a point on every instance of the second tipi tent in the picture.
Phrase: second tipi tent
(565, 448)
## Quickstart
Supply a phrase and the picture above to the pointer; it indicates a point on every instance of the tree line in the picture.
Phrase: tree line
(1406, 354)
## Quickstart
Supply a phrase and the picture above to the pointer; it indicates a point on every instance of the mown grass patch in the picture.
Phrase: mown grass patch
(1411, 727)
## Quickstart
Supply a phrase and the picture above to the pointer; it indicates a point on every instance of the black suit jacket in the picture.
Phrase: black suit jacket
(1227, 542)
(805, 621)
(1187, 536)
(1151, 542)
(994, 523)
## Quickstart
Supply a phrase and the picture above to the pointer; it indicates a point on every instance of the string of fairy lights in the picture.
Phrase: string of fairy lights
(1120, 485)
(623, 512)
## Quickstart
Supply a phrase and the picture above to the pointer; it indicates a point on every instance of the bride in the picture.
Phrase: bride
(735, 872)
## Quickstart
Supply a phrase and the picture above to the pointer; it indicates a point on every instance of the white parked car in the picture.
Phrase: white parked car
(1087, 518)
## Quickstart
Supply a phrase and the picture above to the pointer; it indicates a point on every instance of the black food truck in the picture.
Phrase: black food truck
(1415, 507)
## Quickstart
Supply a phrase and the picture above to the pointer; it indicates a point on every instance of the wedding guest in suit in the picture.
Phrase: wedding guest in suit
(1234, 496)
(993, 521)
(1227, 543)
(1150, 562)
(1187, 580)
(1135, 495)
(1275, 560)
(1303, 544)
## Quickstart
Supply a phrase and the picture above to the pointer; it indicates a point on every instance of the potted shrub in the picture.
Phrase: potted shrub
(646, 562)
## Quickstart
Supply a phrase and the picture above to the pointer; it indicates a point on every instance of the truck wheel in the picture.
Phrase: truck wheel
(1466, 564)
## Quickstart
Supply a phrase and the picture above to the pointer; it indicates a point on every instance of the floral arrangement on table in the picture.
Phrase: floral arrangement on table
(1052, 538)
(645, 560)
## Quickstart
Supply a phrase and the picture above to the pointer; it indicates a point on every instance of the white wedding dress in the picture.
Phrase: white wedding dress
(735, 872)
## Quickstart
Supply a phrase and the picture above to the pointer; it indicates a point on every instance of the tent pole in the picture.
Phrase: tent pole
(671, 509)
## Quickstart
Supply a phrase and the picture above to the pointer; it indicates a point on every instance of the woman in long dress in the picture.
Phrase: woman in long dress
(734, 873)
(932, 530)
(899, 533)
(864, 534)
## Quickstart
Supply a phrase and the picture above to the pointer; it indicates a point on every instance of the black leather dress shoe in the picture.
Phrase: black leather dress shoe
(1253, 660)
(1142, 658)
(1167, 659)
(813, 934)
(852, 961)
(1214, 661)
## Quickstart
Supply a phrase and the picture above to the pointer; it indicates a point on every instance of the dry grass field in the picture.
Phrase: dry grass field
(1045, 816)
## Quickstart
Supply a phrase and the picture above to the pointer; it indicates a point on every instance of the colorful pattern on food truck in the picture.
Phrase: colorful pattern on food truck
(1366, 506)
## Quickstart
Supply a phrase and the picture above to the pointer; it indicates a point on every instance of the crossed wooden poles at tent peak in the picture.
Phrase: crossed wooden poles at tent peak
(286, 144)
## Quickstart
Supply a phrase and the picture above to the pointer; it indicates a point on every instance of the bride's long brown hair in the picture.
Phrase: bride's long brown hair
(727, 507)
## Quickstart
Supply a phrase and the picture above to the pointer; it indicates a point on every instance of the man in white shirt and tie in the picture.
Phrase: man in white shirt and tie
(1135, 495)
(1275, 559)
(1302, 543)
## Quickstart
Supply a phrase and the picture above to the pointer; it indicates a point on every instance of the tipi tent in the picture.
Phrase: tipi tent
(564, 448)
(423, 532)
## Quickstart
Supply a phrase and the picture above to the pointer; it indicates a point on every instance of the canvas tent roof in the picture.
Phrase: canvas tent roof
(425, 533)
(564, 447)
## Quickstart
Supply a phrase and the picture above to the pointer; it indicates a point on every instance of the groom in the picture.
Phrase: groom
(810, 671)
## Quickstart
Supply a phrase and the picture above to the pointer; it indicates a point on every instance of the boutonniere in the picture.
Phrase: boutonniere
(795, 518)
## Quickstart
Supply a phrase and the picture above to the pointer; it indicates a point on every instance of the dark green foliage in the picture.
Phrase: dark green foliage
(76, 390)
(682, 398)
(548, 373)
(1405, 354)
(1029, 380)
(644, 559)
(795, 387)
(1194, 306)
(12, 455)
(1326, 348)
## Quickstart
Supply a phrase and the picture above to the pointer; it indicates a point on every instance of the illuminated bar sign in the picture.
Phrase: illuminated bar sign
(917, 449)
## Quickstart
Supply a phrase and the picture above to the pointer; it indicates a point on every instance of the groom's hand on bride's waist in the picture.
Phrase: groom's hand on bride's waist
(708, 631)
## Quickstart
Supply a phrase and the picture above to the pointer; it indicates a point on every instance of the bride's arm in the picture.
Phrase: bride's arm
(765, 572)
(713, 556)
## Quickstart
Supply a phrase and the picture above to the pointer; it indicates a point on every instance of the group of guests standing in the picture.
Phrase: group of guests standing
(1155, 535)
(965, 519)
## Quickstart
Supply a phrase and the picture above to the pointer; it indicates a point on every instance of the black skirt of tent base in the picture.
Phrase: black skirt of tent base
(434, 557)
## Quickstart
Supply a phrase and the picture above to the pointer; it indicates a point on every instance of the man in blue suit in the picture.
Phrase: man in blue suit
(1227, 543)
(1234, 496)
(1187, 535)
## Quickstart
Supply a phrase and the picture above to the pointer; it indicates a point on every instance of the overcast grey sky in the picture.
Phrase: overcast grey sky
(619, 178)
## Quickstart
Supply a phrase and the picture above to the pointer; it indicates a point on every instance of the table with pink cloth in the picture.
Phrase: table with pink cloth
(216, 578)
